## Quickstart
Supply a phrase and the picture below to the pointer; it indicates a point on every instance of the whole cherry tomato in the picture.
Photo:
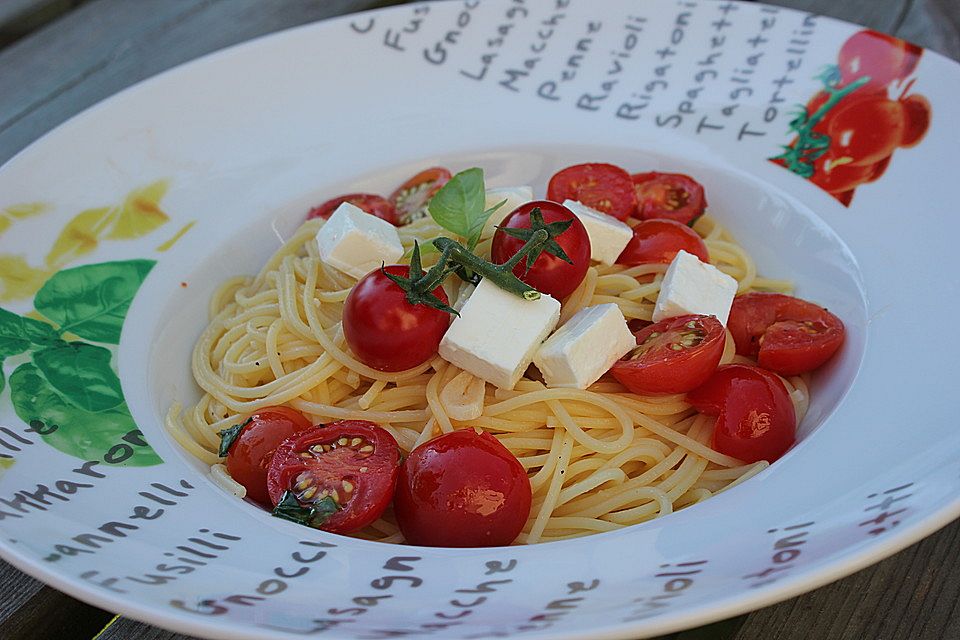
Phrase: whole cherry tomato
(353, 462)
(672, 356)
(755, 416)
(656, 241)
(673, 196)
(917, 119)
(882, 57)
(786, 334)
(549, 273)
(384, 330)
(369, 202)
(462, 489)
(604, 187)
(252, 450)
(866, 130)
(412, 197)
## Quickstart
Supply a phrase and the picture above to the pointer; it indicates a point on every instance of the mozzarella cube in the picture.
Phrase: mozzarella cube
(514, 196)
(585, 348)
(497, 333)
(608, 236)
(692, 286)
(356, 242)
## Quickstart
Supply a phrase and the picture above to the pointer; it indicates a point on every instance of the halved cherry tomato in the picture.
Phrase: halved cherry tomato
(786, 334)
(673, 196)
(882, 57)
(672, 356)
(866, 130)
(369, 202)
(251, 452)
(412, 197)
(755, 416)
(354, 462)
(604, 187)
(659, 241)
(462, 489)
(549, 274)
(917, 119)
(384, 330)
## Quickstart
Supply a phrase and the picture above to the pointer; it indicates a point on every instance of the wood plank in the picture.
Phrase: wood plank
(934, 24)
(50, 614)
(17, 588)
(882, 15)
(106, 45)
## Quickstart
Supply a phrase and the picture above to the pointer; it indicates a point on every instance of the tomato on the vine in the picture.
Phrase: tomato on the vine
(881, 57)
(604, 187)
(786, 334)
(462, 489)
(369, 202)
(673, 196)
(384, 330)
(251, 451)
(354, 463)
(755, 416)
(412, 197)
(672, 356)
(866, 130)
(656, 241)
(549, 273)
(917, 119)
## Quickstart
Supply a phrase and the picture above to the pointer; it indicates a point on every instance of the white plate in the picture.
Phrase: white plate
(245, 140)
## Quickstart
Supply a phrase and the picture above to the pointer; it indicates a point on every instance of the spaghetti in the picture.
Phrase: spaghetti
(597, 459)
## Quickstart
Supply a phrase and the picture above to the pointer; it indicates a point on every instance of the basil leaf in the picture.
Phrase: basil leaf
(230, 435)
(289, 508)
(81, 373)
(479, 223)
(92, 301)
(459, 204)
(18, 334)
(82, 434)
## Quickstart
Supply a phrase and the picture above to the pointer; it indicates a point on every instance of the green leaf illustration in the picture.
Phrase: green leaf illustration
(91, 301)
(74, 431)
(81, 373)
(18, 334)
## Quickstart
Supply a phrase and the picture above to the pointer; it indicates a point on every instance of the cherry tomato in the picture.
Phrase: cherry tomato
(384, 330)
(412, 197)
(355, 462)
(251, 452)
(882, 57)
(672, 356)
(786, 334)
(604, 187)
(673, 196)
(844, 197)
(659, 241)
(369, 202)
(866, 130)
(463, 489)
(917, 119)
(878, 168)
(549, 274)
(755, 416)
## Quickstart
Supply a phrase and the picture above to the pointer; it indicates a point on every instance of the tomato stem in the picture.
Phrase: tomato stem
(500, 274)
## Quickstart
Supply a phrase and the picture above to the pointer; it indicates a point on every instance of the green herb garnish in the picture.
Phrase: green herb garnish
(289, 508)
(458, 206)
(553, 230)
(229, 436)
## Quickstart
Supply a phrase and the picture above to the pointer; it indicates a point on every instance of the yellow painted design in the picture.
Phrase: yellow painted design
(6, 463)
(179, 234)
(140, 213)
(80, 236)
(19, 211)
(18, 279)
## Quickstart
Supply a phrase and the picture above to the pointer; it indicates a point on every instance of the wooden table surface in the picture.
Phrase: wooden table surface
(58, 57)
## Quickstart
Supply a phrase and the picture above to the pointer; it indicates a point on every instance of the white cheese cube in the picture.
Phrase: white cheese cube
(514, 196)
(692, 286)
(356, 242)
(585, 348)
(608, 236)
(497, 333)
